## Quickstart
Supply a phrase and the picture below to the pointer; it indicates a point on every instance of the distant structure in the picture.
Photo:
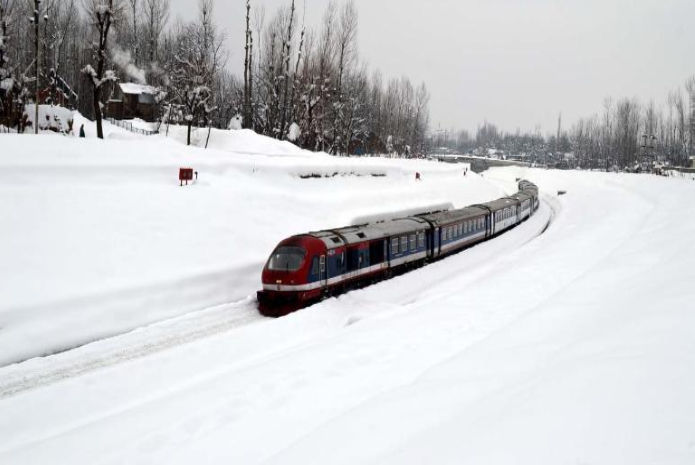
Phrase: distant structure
(132, 101)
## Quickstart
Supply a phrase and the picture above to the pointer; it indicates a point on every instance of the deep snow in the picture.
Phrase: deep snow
(102, 239)
(574, 346)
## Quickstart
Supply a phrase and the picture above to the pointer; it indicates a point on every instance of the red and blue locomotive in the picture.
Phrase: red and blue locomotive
(306, 268)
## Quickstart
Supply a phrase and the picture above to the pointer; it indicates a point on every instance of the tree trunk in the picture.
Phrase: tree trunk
(287, 56)
(188, 140)
(97, 112)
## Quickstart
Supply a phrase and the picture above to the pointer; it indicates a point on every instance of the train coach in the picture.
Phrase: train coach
(307, 268)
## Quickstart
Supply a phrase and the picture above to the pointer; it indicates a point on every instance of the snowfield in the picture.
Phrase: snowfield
(572, 344)
(103, 239)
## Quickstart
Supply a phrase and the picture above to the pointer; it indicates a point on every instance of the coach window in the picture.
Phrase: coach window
(421, 240)
(315, 266)
(443, 234)
(394, 246)
(462, 229)
(404, 243)
(413, 245)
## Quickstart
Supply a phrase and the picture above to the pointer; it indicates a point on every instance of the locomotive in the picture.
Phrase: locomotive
(307, 268)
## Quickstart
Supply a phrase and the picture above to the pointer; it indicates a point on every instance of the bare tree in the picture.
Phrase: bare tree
(134, 11)
(156, 18)
(198, 57)
(285, 61)
(347, 48)
(102, 14)
(690, 90)
(248, 69)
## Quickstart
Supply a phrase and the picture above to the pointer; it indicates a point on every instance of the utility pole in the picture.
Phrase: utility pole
(37, 49)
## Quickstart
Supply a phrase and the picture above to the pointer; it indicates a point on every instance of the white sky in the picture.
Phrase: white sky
(517, 63)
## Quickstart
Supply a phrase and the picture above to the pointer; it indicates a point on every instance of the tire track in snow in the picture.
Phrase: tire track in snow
(141, 343)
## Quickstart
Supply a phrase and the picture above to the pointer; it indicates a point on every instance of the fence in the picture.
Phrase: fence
(128, 126)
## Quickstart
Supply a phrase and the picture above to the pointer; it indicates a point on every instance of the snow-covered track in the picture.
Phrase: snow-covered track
(148, 340)
(39, 372)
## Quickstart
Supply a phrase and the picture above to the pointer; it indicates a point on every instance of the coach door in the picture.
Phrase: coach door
(322, 271)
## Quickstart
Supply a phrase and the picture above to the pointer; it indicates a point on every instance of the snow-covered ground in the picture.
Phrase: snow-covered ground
(101, 239)
(574, 345)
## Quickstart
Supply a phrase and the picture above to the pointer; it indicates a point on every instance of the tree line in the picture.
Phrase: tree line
(628, 132)
(625, 133)
(303, 83)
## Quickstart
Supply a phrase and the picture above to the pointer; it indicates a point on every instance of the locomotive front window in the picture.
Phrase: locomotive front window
(287, 259)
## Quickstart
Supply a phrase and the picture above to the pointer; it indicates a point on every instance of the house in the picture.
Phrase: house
(692, 162)
(131, 101)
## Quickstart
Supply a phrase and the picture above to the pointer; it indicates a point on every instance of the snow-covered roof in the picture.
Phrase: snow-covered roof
(354, 234)
(136, 89)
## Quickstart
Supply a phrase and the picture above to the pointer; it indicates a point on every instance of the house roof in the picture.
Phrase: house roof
(136, 89)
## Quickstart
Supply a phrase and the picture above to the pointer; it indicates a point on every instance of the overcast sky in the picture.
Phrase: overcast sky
(517, 63)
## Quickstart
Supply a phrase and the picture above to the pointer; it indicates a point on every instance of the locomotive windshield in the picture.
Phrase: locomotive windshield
(286, 259)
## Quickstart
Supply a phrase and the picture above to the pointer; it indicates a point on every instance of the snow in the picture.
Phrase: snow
(6, 84)
(567, 345)
(136, 89)
(236, 122)
(294, 133)
(104, 240)
(50, 116)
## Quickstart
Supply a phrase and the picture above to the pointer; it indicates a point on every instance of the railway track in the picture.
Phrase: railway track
(39, 372)
(143, 342)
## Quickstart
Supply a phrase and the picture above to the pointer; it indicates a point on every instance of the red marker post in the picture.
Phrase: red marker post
(185, 174)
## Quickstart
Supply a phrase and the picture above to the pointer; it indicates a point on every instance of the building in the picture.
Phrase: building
(692, 162)
(132, 101)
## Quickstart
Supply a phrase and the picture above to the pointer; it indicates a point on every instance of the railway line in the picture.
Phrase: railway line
(152, 339)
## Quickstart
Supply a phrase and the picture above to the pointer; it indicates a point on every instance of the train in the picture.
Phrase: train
(307, 268)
